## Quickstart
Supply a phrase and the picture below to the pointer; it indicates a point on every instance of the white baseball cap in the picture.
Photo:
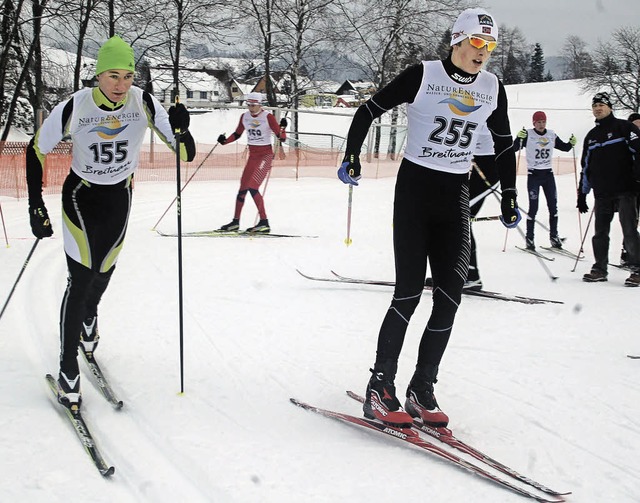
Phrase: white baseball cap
(254, 98)
(473, 22)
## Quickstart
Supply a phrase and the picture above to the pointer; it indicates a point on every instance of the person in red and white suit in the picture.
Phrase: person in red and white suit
(259, 125)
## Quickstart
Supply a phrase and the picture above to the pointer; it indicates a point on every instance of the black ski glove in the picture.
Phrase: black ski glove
(40, 223)
(179, 118)
(283, 123)
(509, 208)
(582, 203)
(222, 139)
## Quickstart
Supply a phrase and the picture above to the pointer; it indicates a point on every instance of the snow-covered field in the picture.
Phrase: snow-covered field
(547, 389)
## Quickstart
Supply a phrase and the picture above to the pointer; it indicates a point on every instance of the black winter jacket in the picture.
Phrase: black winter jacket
(611, 158)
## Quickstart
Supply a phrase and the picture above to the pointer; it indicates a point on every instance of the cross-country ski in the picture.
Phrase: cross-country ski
(231, 234)
(445, 435)
(82, 431)
(473, 293)
(411, 436)
(536, 253)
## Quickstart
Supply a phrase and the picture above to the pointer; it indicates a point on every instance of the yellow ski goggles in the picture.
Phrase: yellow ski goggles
(479, 43)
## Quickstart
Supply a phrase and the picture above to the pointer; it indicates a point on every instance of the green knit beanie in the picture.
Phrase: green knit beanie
(115, 54)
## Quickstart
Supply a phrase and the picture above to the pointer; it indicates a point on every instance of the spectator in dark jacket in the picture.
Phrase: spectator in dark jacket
(611, 166)
(624, 256)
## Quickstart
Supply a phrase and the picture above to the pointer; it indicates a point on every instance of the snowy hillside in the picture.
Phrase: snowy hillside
(546, 389)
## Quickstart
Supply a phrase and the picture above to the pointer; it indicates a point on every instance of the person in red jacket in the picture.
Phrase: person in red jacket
(259, 124)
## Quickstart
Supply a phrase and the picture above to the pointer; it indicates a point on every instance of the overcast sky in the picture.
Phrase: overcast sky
(551, 22)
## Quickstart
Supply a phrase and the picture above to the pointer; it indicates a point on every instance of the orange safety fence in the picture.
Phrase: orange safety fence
(158, 164)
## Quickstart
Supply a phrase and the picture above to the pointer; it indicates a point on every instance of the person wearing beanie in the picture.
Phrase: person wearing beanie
(115, 54)
(611, 167)
(107, 125)
(540, 143)
(448, 102)
(259, 125)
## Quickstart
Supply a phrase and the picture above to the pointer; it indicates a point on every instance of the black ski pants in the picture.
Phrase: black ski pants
(95, 222)
(545, 180)
(430, 225)
(604, 208)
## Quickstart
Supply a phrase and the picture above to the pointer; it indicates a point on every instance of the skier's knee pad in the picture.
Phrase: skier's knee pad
(241, 195)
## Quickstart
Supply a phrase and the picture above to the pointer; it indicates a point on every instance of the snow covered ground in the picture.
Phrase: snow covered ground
(547, 389)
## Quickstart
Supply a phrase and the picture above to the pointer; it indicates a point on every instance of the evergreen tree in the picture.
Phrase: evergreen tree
(510, 60)
(444, 46)
(536, 70)
(512, 72)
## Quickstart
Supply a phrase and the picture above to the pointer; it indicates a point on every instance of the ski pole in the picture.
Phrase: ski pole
(264, 191)
(177, 136)
(582, 242)
(575, 175)
(6, 239)
(504, 246)
(541, 261)
(33, 248)
(348, 240)
(185, 186)
(506, 234)
(495, 193)
(279, 149)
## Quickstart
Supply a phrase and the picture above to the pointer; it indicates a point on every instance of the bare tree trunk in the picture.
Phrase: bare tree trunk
(10, 16)
(393, 133)
(38, 86)
(178, 42)
(112, 22)
(16, 93)
(85, 17)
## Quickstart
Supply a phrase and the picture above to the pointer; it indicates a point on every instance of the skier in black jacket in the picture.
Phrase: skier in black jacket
(611, 166)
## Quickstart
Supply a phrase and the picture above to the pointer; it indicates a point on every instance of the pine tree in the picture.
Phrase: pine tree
(536, 70)
(512, 72)
(444, 46)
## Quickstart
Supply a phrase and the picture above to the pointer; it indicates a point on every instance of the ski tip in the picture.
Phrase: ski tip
(355, 396)
(107, 472)
(297, 402)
